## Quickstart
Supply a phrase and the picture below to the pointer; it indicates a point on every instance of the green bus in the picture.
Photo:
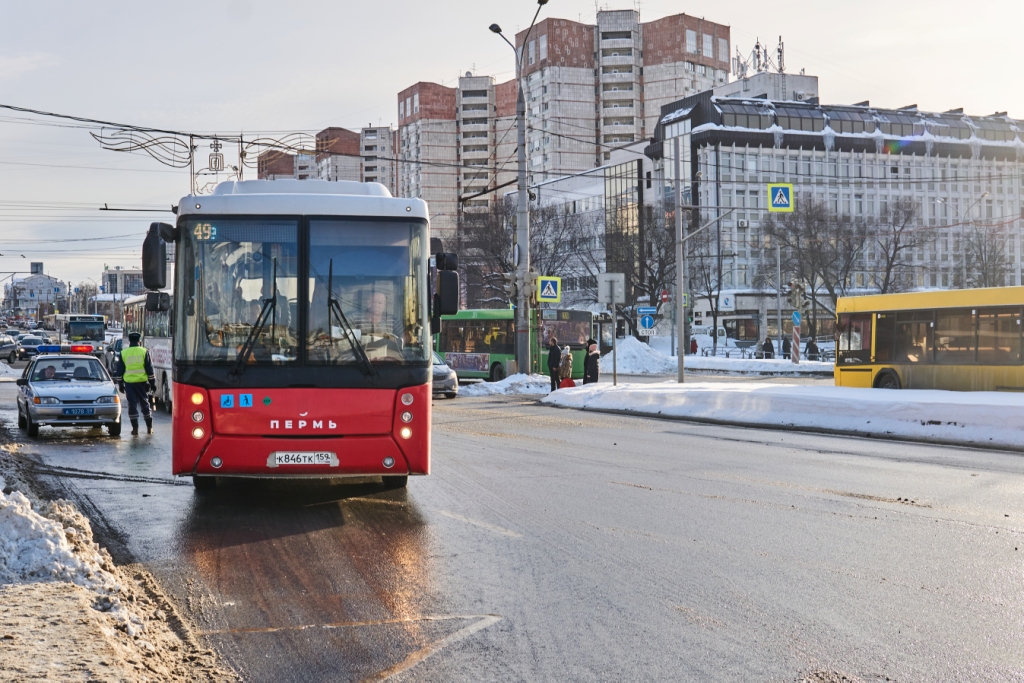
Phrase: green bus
(478, 344)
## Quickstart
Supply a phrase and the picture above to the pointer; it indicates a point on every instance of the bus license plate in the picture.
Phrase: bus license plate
(79, 411)
(303, 458)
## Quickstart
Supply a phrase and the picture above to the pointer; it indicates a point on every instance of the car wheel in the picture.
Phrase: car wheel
(33, 428)
(166, 395)
(887, 379)
(204, 483)
(497, 372)
(12, 358)
(450, 394)
(395, 482)
(22, 424)
(114, 429)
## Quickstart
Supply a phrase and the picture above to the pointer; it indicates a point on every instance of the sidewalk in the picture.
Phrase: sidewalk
(981, 419)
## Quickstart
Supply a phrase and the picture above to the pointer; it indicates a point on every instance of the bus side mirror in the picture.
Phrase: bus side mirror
(158, 301)
(447, 293)
(154, 259)
(447, 261)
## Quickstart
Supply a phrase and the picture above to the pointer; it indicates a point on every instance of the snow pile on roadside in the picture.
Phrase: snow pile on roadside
(636, 358)
(513, 384)
(990, 419)
(769, 366)
(7, 371)
(57, 545)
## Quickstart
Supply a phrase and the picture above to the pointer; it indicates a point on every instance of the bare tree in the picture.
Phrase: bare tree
(818, 247)
(987, 263)
(642, 247)
(705, 274)
(895, 239)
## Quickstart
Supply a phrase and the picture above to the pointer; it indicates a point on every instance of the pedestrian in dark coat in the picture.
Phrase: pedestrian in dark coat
(768, 349)
(554, 361)
(786, 347)
(592, 365)
(693, 347)
(811, 350)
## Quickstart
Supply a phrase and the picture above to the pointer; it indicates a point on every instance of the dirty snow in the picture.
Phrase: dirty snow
(7, 371)
(513, 384)
(638, 358)
(990, 419)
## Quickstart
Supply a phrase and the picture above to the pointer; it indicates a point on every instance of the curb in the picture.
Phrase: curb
(793, 428)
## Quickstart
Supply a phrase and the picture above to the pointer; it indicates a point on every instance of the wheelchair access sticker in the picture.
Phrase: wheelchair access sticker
(227, 400)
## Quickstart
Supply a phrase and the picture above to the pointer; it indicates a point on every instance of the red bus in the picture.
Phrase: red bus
(301, 330)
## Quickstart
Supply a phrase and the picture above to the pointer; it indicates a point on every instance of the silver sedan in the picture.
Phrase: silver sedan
(67, 390)
(444, 380)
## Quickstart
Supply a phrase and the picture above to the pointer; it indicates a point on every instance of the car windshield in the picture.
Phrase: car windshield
(85, 331)
(236, 268)
(437, 360)
(31, 340)
(68, 369)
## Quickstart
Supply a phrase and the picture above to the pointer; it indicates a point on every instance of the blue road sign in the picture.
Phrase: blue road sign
(647, 321)
(647, 310)
(796, 318)
(780, 197)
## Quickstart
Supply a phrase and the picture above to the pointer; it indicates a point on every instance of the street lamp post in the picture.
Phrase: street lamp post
(521, 242)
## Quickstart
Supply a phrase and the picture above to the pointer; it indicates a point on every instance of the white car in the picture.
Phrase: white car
(67, 390)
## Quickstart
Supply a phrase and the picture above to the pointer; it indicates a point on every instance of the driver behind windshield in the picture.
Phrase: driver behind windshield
(47, 373)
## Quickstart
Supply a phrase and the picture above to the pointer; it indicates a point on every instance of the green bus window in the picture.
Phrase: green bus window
(954, 337)
(998, 337)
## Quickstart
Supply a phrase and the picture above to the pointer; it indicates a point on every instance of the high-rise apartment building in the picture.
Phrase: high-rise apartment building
(337, 155)
(379, 163)
(591, 88)
(428, 156)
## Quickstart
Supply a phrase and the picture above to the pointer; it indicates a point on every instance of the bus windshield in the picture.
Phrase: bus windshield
(85, 331)
(364, 284)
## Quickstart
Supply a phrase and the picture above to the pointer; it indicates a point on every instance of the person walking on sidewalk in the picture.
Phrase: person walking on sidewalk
(786, 347)
(134, 375)
(554, 361)
(592, 363)
(768, 349)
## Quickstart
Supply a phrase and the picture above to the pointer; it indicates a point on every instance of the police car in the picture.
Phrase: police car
(65, 387)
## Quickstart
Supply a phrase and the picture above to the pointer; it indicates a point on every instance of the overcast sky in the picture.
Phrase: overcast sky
(243, 65)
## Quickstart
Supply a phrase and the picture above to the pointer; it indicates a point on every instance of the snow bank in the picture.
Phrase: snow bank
(7, 371)
(990, 419)
(513, 384)
(637, 358)
(58, 546)
(769, 366)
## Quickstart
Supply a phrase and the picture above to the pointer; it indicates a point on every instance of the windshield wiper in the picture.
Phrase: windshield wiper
(269, 310)
(346, 327)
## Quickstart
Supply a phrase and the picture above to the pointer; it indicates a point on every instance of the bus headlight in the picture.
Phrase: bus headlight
(197, 398)
(197, 416)
(407, 416)
(405, 432)
(407, 399)
(198, 432)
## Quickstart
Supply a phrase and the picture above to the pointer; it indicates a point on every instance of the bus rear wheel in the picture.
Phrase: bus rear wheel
(497, 372)
(887, 379)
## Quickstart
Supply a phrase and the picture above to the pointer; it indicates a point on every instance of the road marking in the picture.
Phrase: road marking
(430, 650)
(482, 525)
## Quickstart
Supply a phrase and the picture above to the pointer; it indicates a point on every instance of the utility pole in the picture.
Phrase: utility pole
(680, 264)
(521, 241)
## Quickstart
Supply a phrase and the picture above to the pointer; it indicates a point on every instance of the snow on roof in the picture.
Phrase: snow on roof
(677, 114)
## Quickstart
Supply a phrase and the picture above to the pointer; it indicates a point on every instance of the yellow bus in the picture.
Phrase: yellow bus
(961, 340)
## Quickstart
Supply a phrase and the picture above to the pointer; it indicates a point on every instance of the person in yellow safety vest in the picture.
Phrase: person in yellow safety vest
(134, 376)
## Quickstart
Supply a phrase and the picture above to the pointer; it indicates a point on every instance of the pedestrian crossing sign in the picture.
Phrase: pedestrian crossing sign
(549, 289)
(780, 197)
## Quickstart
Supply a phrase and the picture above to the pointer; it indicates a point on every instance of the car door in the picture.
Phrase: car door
(23, 391)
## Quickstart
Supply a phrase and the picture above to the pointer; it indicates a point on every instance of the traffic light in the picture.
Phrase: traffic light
(797, 297)
(508, 284)
(530, 286)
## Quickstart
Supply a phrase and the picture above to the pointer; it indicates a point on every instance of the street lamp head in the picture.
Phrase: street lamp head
(495, 28)
(984, 194)
(542, 2)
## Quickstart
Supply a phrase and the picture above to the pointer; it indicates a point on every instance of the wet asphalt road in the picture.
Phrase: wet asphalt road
(557, 545)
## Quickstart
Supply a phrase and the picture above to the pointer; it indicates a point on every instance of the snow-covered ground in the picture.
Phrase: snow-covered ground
(637, 358)
(513, 384)
(7, 373)
(990, 419)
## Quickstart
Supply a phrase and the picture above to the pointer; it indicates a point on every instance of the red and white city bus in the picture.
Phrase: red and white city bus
(301, 327)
